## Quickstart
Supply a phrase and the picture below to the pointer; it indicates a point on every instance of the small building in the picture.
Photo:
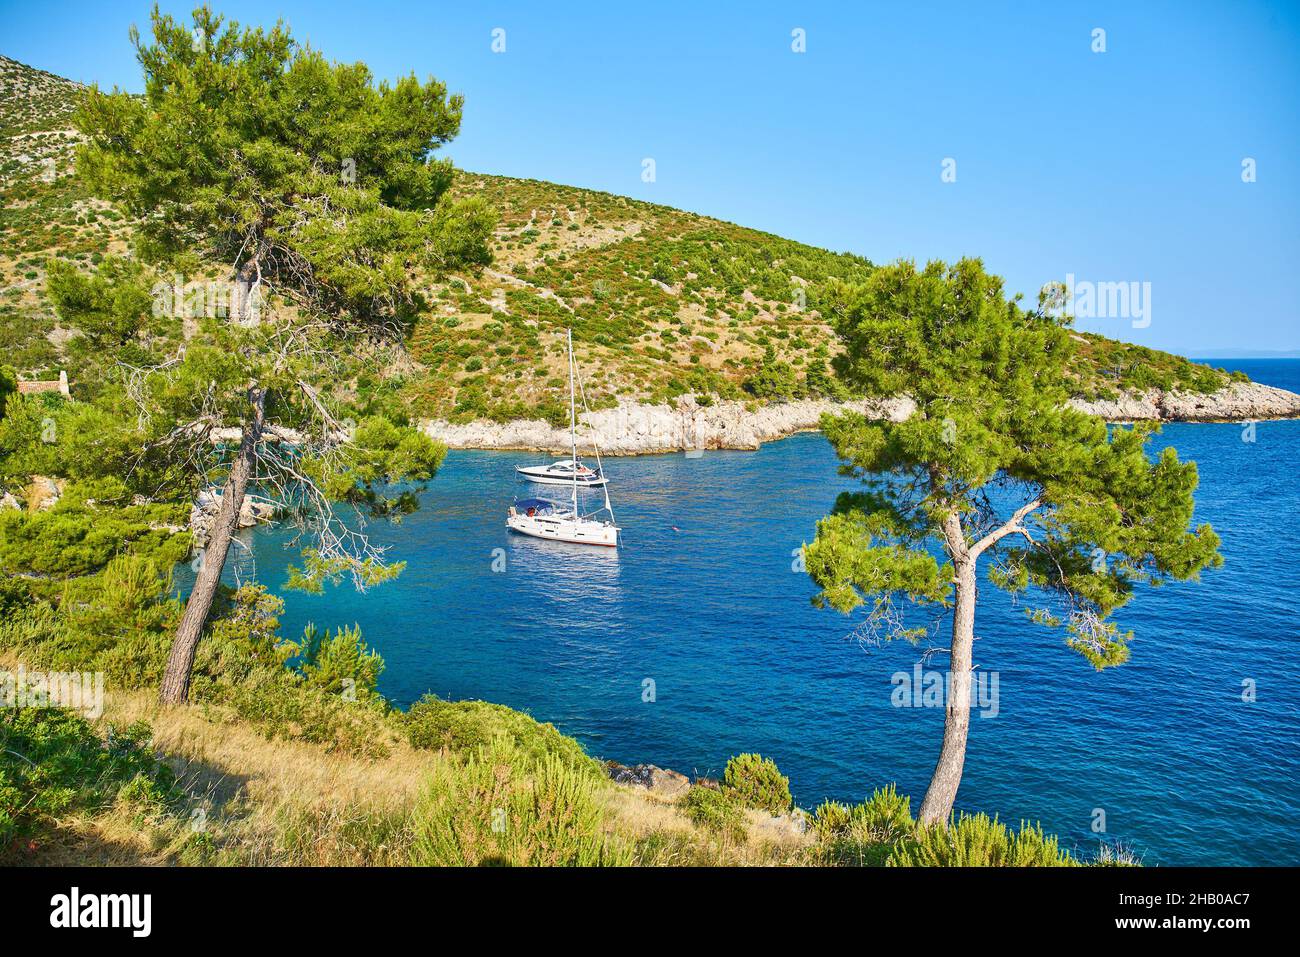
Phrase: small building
(34, 386)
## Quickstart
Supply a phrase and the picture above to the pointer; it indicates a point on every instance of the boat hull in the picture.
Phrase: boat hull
(557, 480)
(565, 530)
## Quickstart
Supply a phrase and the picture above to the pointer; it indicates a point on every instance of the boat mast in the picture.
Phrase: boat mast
(573, 425)
(595, 442)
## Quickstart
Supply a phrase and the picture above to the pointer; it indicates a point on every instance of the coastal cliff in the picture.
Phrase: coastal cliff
(636, 429)
(1236, 402)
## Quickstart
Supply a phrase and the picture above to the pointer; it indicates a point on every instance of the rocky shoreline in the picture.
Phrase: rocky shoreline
(638, 429)
(1236, 402)
(635, 429)
(252, 511)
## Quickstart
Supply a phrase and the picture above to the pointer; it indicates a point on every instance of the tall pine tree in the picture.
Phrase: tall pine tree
(993, 463)
(316, 187)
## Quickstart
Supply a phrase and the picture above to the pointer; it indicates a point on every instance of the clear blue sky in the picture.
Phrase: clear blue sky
(1116, 166)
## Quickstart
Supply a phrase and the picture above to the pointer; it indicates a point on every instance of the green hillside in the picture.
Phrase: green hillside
(661, 301)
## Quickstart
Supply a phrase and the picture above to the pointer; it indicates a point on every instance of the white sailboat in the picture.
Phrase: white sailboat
(561, 521)
(563, 472)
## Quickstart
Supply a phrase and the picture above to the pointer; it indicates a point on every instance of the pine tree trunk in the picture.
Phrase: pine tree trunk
(243, 307)
(939, 797)
(176, 679)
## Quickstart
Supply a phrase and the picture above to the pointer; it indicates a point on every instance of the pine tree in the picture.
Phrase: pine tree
(994, 463)
(315, 186)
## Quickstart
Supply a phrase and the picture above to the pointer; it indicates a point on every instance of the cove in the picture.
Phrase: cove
(707, 601)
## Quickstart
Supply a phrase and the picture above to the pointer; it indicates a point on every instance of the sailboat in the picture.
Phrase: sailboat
(564, 521)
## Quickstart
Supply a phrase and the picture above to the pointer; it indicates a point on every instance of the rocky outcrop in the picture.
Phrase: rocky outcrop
(44, 492)
(1238, 401)
(233, 434)
(783, 827)
(252, 511)
(659, 781)
(633, 429)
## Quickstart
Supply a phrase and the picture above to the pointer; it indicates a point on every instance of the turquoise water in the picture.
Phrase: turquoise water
(703, 600)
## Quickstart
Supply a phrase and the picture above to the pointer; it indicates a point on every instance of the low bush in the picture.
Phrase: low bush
(831, 820)
(241, 668)
(339, 664)
(975, 840)
(774, 379)
(715, 810)
(864, 834)
(819, 382)
(498, 807)
(756, 782)
(466, 726)
(53, 764)
(882, 818)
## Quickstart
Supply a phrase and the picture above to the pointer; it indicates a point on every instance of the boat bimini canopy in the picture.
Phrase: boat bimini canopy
(537, 506)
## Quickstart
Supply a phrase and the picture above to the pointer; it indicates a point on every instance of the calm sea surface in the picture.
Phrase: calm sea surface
(704, 601)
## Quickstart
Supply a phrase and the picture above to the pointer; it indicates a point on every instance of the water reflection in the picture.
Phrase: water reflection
(561, 571)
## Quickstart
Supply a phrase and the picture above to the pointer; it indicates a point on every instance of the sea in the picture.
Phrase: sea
(698, 640)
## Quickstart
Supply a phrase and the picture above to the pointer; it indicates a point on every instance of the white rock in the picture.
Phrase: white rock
(1237, 401)
(252, 511)
(634, 429)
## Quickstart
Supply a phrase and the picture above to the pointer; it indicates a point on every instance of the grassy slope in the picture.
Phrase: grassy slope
(245, 795)
(45, 211)
(661, 301)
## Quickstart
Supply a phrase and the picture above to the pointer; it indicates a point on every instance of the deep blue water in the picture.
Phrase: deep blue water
(703, 600)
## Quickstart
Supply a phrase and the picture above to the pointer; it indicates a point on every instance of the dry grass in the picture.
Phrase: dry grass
(234, 758)
(666, 837)
(269, 802)
(264, 803)
(282, 802)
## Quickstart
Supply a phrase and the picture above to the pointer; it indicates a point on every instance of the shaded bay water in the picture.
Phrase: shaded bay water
(706, 601)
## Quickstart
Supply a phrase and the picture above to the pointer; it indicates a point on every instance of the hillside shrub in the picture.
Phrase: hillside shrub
(884, 817)
(975, 840)
(715, 810)
(774, 379)
(819, 382)
(498, 807)
(339, 664)
(53, 764)
(469, 726)
(756, 782)
(865, 834)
